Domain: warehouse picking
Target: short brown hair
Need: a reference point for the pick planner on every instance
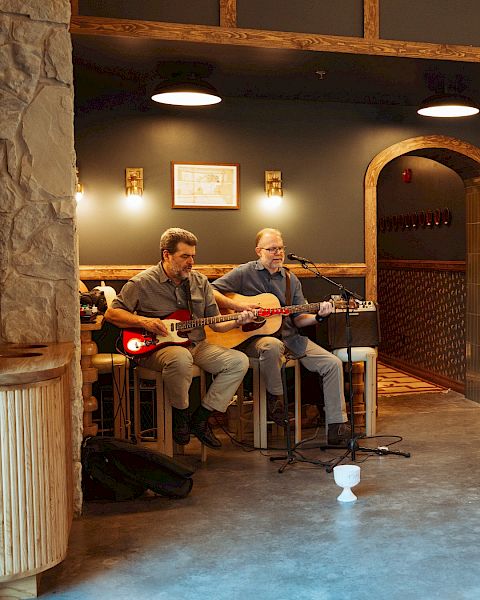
(173, 236)
(264, 231)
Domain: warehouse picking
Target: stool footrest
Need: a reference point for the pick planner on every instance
(164, 442)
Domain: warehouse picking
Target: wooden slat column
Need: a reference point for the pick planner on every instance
(35, 506)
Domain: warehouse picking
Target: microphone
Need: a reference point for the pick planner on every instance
(293, 256)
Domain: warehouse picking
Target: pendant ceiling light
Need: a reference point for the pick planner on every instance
(186, 90)
(448, 105)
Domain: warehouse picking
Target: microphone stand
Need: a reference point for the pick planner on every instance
(352, 447)
(292, 455)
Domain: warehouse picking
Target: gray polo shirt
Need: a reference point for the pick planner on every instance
(251, 279)
(152, 294)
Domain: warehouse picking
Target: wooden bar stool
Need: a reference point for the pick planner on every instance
(368, 355)
(260, 422)
(118, 366)
(164, 442)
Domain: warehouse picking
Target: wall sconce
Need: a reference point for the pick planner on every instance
(273, 183)
(78, 187)
(134, 181)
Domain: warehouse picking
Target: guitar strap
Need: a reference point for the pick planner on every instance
(288, 291)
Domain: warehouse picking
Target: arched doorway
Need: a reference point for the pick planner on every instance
(464, 159)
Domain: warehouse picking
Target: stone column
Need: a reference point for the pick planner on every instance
(38, 239)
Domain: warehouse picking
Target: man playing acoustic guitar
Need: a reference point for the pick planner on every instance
(172, 288)
(268, 275)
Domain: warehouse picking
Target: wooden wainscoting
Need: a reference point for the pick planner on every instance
(422, 319)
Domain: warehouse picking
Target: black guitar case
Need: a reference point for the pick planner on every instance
(114, 469)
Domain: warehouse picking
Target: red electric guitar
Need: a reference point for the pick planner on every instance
(140, 341)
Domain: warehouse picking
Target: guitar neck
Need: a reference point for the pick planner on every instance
(193, 323)
(260, 312)
(303, 308)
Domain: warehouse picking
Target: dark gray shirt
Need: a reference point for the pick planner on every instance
(251, 279)
(152, 293)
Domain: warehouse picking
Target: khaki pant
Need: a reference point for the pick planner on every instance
(175, 363)
(271, 354)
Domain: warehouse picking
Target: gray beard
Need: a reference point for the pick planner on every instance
(182, 276)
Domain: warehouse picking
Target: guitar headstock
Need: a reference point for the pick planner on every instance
(341, 304)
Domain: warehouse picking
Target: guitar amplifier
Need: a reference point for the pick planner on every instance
(364, 327)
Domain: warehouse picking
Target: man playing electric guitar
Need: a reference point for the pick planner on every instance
(268, 275)
(172, 287)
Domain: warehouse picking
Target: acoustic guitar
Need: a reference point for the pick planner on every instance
(272, 314)
(269, 320)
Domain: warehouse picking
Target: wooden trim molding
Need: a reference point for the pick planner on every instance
(74, 8)
(371, 19)
(459, 266)
(123, 272)
(418, 143)
(371, 179)
(473, 182)
(258, 38)
(228, 13)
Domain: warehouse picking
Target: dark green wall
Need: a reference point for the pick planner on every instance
(344, 17)
(438, 21)
(200, 12)
(323, 151)
(433, 186)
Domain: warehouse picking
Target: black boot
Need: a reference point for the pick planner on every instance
(181, 426)
(276, 409)
(200, 427)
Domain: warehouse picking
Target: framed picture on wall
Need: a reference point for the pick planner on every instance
(205, 185)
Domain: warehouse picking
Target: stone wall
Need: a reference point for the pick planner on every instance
(38, 239)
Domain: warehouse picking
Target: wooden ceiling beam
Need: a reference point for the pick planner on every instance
(103, 26)
(371, 19)
(228, 13)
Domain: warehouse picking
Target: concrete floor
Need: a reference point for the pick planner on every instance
(247, 531)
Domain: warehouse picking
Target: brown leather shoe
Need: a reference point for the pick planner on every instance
(339, 434)
(204, 433)
(201, 429)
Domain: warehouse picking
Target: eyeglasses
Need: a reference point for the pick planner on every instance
(274, 249)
